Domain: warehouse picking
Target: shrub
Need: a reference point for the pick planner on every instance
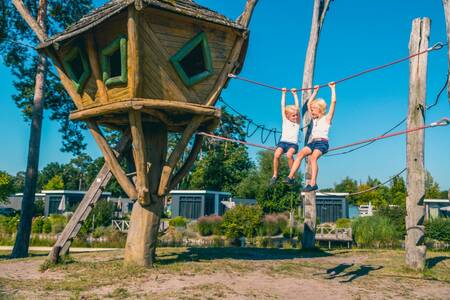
(58, 222)
(242, 220)
(38, 224)
(343, 223)
(274, 224)
(47, 226)
(178, 222)
(210, 225)
(396, 214)
(438, 229)
(374, 231)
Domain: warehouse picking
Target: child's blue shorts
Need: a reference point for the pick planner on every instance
(286, 146)
(321, 145)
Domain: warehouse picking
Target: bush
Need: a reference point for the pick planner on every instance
(47, 226)
(374, 231)
(343, 223)
(178, 222)
(396, 214)
(242, 220)
(438, 229)
(210, 225)
(58, 222)
(38, 224)
(274, 224)
(9, 225)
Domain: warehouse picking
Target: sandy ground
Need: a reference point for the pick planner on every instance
(350, 277)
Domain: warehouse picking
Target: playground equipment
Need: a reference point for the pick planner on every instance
(145, 68)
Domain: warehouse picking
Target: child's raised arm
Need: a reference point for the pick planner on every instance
(311, 98)
(283, 102)
(330, 114)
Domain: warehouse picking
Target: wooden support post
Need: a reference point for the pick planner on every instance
(176, 154)
(134, 60)
(112, 161)
(446, 4)
(144, 224)
(139, 157)
(95, 66)
(309, 200)
(415, 212)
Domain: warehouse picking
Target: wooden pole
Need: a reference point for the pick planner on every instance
(144, 224)
(309, 200)
(95, 66)
(27, 207)
(446, 4)
(415, 212)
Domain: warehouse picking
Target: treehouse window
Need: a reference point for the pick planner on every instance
(114, 62)
(77, 68)
(193, 62)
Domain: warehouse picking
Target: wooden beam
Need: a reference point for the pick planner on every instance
(309, 200)
(95, 66)
(112, 161)
(134, 53)
(25, 13)
(415, 180)
(446, 4)
(139, 157)
(144, 103)
(176, 154)
(245, 17)
(189, 162)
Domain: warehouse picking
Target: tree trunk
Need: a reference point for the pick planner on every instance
(144, 225)
(415, 212)
(446, 4)
(27, 210)
(309, 200)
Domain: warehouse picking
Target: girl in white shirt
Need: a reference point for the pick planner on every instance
(289, 134)
(318, 143)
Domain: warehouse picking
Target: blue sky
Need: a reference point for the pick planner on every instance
(356, 35)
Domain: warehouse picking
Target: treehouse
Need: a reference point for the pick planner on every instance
(166, 58)
(146, 68)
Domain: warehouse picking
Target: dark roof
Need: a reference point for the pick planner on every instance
(113, 7)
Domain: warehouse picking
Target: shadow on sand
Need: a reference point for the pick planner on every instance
(433, 261)
(197, 254)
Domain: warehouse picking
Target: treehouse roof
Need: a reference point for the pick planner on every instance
(183, 7)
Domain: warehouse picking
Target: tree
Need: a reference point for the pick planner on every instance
(6, 186)
(56, 183)
(432, 189)
(397, 191)
(347, 185)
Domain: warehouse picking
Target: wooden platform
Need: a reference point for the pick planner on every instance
(174, 114)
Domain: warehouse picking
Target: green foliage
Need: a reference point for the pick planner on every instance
(273, 224)
(101, 215)
(6, 186)
(58, 222)
(39, 207)
(38, 225)
(277, 198)
(242, 220)
(343, 223)
(209, 225)
(438, 229)
(55, 183)
(396, 215)
(374, 232)
(178, 222)
(432, 189)
(47, 226)
(22, 62)
(8, 225)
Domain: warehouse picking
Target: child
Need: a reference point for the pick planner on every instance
(318, 144)
(289, 134)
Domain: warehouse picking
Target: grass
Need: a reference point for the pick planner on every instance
(83, 273)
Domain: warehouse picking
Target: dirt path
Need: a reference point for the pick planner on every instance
(216, 274)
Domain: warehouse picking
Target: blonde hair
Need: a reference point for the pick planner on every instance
(291, 108)
(321, 104)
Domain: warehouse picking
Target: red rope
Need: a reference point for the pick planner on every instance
(436, 46)
(442, 122)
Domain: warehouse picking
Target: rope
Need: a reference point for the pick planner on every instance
(441, 122)
(436, 46)
(372, 188)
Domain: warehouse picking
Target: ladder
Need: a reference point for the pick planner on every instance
(62, 245)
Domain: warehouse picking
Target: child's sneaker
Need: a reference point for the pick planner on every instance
(272, 181)
(310, 188)
(289, 181)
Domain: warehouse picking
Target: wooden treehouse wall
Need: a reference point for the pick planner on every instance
(161, 35)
